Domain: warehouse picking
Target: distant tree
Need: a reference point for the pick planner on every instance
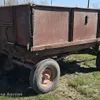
(10, 2)
(27, 1)
(16, 2)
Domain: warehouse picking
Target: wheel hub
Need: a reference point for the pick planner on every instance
(46, 78)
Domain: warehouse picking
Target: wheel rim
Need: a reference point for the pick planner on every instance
(47, 77)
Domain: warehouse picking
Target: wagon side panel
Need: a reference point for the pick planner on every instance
(6, 26)
(85, 25)
(51, 26)
(23, 25)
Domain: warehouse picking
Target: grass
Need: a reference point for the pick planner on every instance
(87, 85)
(79, 80)
(80, 57)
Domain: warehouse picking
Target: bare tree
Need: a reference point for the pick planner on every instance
(10, 2)
(16, 2)
(26, 1)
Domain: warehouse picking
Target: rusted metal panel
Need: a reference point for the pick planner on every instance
(23, 25)
(63, 45)
(53, 30)
(6, 25)
(51, 26)
(85, 24)
(15, 25)
(98, 32)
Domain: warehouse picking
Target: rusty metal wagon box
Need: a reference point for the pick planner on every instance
(40, 28)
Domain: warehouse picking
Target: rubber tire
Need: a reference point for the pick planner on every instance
(98, 60)
(35, 76)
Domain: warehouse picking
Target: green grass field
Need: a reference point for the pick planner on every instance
(79, 80)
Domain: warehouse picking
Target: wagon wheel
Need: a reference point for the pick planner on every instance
(45, 76)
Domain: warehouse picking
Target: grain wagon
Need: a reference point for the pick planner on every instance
(36, 36)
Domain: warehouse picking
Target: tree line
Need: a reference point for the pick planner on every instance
(16, 2)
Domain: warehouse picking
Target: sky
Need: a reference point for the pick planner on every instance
(69, 3)
(73, 3)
